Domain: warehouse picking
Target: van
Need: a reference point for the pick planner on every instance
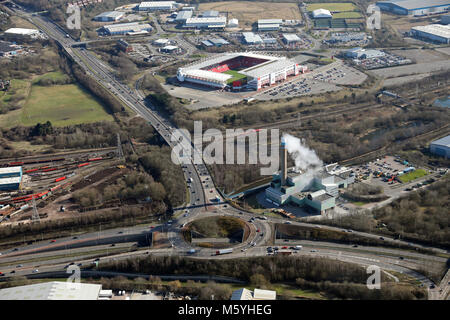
(298, 248)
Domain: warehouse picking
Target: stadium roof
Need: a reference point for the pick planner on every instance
(22, 31)
(417, 4)
(445, 142)
(217, 76)
(56, 290)
(434, 29)
(269, 67)
(291, 37)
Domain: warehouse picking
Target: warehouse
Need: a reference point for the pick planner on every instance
(445, 19)
(157, 5)
(251, 38)
(182, 16)
(55, 290)
(360, 53)
(161, 42)
(289, 38)
(127, 28)
(433, 32)
(22, 32)
(269, 24)
(239, 69)
(233, 23)
(206, 23)
(321, 14)
(109, 16)
(414, 7)
(10, 178)
(256, 294)
(441, 147)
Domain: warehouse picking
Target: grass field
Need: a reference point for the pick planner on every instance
(347, 15)
(54, 76)
(248, 12)
(332, 6)
(413, 175)
(236, 75)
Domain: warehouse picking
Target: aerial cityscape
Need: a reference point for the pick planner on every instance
(224, 150)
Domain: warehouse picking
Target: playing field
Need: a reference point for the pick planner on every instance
(248, 12)
(412, 175)
(236, 76)
(332, 6)
(62, 105)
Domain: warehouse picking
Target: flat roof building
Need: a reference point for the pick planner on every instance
(290, 38)
(414, 7)
(109, 16)
(55, 290)
(157, 5)
(257, 294)
(233, 23)
(161, 42)
(269, 24)
(210, 14)
(10, 178)
(433, 32)
(360, 53)
(441, 147)
(251, 38)
(32, 33)
(206, 23)
(445, 19)
(127, 28)
(182, 16)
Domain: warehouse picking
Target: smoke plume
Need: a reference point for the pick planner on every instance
(305, 158)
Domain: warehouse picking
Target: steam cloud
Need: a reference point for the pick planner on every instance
(305, 158)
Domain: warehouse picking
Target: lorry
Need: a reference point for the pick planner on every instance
(223, 251)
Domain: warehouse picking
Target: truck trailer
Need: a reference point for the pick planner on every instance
(223, 251)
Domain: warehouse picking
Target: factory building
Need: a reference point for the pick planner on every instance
(441, 147)
(10, 178)
(251, 38)
(182, 16)
(109, 16)
(233, 23)
(21, 32)
(321, 14)
(433, 32)
(317, 189)
(56, 290)
(127, 28)
(289, 38)
(269, 24)
(360, 53)
(157, 5)
(414, 7)
(206, 23)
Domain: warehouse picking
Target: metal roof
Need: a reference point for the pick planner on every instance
(206, 20)
(291, 37)
(434, 29)
(274, 65)
(22, 31)
(110, 14)
(444, 142)
(55, 290)
(242, 294)
(183, 15)
(210, 13)
(208, 75)
(250, 37)
(270, 21)
(417, 4)
(5, 181)
(321, 12)
(259, 294)
(10, 170)
(156, 4)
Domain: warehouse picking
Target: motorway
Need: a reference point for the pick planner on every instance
(198, 206)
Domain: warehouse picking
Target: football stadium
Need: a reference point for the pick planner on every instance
(240, 70)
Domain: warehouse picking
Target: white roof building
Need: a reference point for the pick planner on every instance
(128, 28)
(22, 31)
(210, 22)
(233, 23)
(257, 294)
(434, 32)
(109, 16)
(55, 290)
(290, 37)
(161, 42)
(251, 38)
(321, 13)
(157, 5)
(269, 24)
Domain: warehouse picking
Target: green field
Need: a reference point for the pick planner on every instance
(236, 76)
(347, 15)
(332, 6)
(54, 76)
(412, 175)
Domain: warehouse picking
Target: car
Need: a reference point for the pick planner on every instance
(120, 232)
(185, 215)
(13, 271)
(401, 258)
(15, 249)
(288, 222)
(19, 266)
(35, 270)
(75, 238)
(355, 246)
(52, 241)
(98, 259)
(240, 212)
(1, 274)
(257, 230)
(80, 264)
(253, 244)
(284, 247)
(261, 234)
(432, 286)
(243, 250)
(275, 248)
(113, 245)
(313, 250)
(151, 227)
(381, 238)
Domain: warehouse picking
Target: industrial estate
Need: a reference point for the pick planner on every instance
(92, 111)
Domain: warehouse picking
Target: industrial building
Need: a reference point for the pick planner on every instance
(317, 189)
(251, 38)
(109, 16)
(445, 19)
(182, 16)
(10, 178)
(254, 70)
(169, 49)
(441, 147)
(127, 28)
(321, 14)
(8, 49)
(233, 23)
(269, 24)
(56, 290)
(124, 46)
(206, 23)
(414, 7)
(360, 53)
(161, 42)
(289, 38)
(257, 294)
(215, 42)
(22, 32)
(157, 5)
(433, 32)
